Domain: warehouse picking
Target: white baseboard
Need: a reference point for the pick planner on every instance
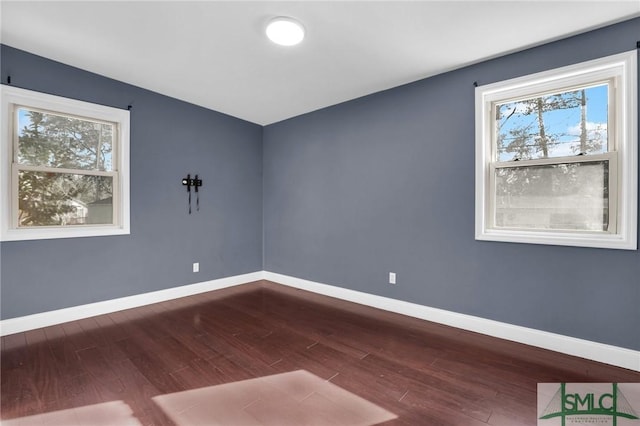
(45, 319)
(600, 352)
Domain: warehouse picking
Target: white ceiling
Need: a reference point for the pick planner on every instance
(215, 54)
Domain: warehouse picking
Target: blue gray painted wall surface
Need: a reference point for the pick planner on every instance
(169, 138)
(382, 183)
(386, 183)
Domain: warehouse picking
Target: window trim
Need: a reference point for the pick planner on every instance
(623, 125)
(13, 97)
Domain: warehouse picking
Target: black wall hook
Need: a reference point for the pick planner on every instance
(196, 183)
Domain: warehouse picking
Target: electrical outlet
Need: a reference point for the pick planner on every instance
(392, 277)
(196, 267)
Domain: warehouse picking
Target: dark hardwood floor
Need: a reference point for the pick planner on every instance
(422, 373)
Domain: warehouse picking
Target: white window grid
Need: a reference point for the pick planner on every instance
(619, 72)
(14, 98)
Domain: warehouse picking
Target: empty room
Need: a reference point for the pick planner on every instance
(328, 213)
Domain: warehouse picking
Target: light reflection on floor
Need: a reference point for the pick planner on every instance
(297, 398)
(114, 413)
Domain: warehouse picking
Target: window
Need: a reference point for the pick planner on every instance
(65, 167)
(556, 156)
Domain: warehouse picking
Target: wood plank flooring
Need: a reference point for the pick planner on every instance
(422, 373)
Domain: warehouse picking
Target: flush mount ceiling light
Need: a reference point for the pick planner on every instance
(285, 31)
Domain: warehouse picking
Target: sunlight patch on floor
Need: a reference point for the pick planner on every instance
(288, 399)
(114, 413)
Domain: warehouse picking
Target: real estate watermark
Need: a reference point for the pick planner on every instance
(588, 404)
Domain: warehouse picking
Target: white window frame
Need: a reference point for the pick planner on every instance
(12, 98)
(621, 70)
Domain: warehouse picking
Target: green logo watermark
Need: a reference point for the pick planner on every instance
(588, 404)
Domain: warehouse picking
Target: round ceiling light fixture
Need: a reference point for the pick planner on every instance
(285, 31)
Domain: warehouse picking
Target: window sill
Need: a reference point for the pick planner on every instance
(55, 233)
(560, 238)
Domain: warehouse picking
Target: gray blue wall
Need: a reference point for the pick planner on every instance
(169, 139)
(386, 183)
(382, 183)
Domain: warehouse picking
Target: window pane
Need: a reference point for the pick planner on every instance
(58, 199)
(570, 196)
(557, 125)
(53, 140)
